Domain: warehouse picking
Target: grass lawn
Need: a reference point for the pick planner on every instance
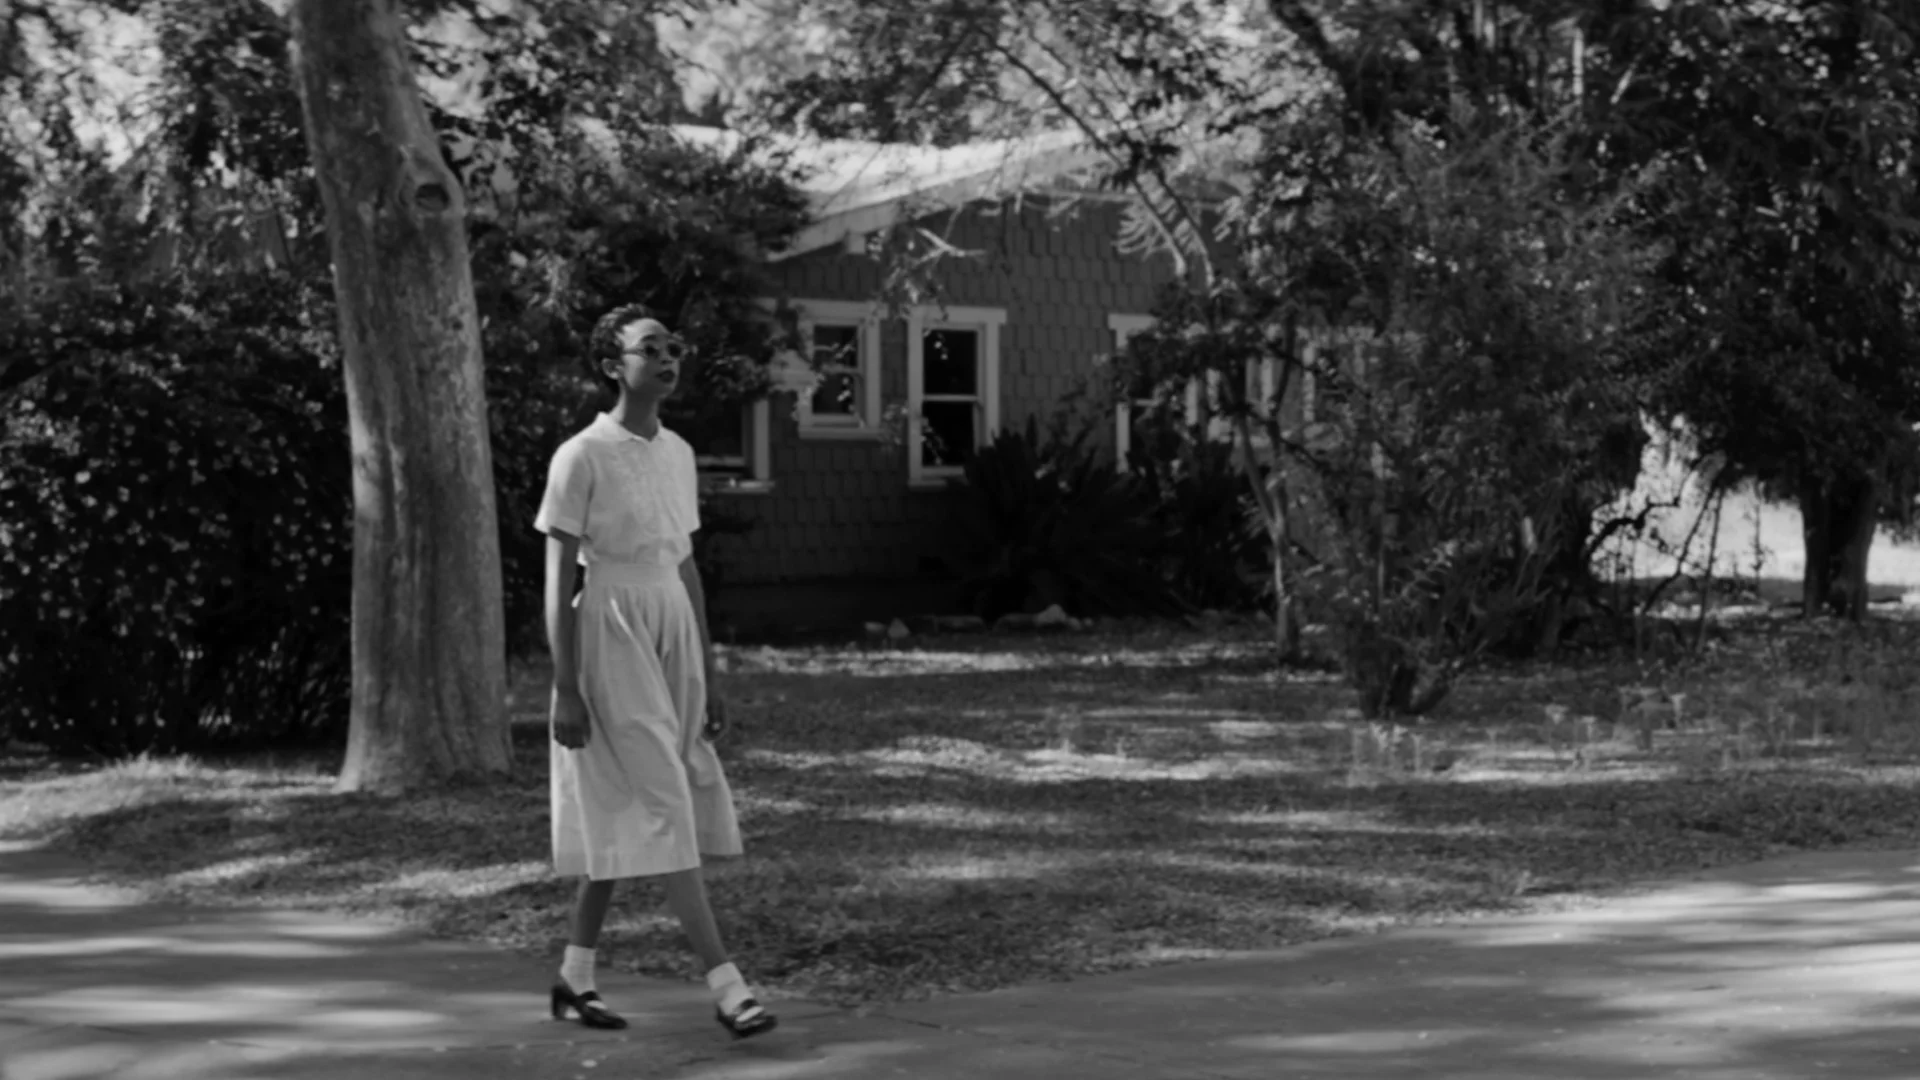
(966, 813)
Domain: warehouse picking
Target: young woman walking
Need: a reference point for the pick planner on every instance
(637, 788)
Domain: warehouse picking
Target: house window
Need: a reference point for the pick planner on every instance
(1140, 400)
(843, 342)
(1260, 389)
(1354, 352)
(1133, 404)
(732, 449)
(953, 389)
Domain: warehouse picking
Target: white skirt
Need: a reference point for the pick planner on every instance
(646, 795)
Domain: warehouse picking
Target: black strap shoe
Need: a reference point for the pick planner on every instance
(592, 1011)
(747, 1021)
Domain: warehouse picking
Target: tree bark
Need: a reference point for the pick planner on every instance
(1286, 616)
(428, 636)
(1838, 516)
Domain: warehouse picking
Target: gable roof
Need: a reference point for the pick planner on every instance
(856, 187)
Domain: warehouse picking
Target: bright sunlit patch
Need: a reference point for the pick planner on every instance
(1296, 819)
(472, 882)
(749, 802)
(889, 663)
(1408, 1039)
(1056, 763)
(952, 816)
(103, 946)
(273, 948)
(1015, 867)
(1244, 730)
(1165, 954)
(881, 662)
(226, 1003)
(936, 750)
(1215, 718)
(58, 897)
(363, 1020)
(798, 761)
(233, 870)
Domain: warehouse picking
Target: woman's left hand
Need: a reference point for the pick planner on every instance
(716, 715)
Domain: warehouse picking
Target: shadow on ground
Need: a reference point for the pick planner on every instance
(1798, 968)
(1801, 968)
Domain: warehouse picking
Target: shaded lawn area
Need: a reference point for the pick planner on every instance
(974, 812)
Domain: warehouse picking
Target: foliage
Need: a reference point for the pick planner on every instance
(1464, 331)
(1146, 86)
(1048, 523)
(174, 513)
(1786, 196)
(1781, 135)
(1409, 61)
(1214, 554)
(1790, 196)
(578, 204)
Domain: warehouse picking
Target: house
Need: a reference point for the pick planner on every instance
(847, 479)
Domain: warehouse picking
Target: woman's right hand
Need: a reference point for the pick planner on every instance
(571, 728)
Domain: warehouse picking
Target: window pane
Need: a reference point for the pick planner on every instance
(952, 362)
(947, 434)
(837, 394)
(1139, 433)
(718, 433)
(836, 346)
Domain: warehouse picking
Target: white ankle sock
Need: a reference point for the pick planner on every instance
(577, 969)
(729, 988)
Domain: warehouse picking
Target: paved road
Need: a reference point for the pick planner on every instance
(1804, 967)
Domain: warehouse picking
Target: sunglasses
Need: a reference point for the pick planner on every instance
(661, 348)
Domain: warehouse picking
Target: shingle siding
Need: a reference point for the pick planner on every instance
(843, 510)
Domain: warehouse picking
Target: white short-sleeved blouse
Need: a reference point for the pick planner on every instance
(628, 499)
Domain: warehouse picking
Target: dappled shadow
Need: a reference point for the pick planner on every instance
(93, 983)
(947, 828)
(1810, 967)
(906, 854)
(1803, 967)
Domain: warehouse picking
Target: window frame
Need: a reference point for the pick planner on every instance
(865, 422)
(987, 323)
(749, 473)
(1259, 385)
(1123, 327)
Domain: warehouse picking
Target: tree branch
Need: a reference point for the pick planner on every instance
(1105, 146)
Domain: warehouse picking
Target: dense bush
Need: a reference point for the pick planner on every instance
(1473, 336)
(177, 536)
(175, 519)
(1047, 523)
(1214, 545)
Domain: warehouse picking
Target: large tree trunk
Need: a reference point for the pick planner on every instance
(1837, 520)
(428, 641)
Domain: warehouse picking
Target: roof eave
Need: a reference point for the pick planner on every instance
(834, 228)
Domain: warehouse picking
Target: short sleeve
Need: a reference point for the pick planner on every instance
(569, 485)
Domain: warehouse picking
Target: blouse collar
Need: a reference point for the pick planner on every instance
(606, 426)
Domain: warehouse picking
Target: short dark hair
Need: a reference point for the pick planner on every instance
(604, 343)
